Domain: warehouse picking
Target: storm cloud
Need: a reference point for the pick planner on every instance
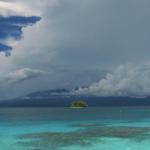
(78, 42)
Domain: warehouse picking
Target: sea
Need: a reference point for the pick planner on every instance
(95, 128)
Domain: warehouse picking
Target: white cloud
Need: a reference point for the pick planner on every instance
(25, 7)
(126, 80)
(23, 74)
(14, 8)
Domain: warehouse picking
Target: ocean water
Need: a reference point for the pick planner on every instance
(75, 129)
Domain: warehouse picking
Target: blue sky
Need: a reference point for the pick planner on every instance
(99, 44)
(11, 27)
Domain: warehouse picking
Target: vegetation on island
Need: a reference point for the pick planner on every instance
(79, 104)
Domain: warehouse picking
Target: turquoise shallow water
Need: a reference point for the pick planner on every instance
(75, 129)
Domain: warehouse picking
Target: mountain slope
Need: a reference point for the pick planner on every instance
(63, 98)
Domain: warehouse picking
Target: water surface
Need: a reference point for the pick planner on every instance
(75, 129)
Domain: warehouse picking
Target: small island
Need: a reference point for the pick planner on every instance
(79, 104)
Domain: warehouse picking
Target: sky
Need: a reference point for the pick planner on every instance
(100, 46)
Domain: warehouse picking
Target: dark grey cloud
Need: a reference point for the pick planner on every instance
(77, 40)
(97, 32)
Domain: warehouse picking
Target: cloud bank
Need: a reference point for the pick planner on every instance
(14, 81)
(23, 74)
(126, 80)
(77, 42)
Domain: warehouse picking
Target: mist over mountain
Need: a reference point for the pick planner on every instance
(63, 98)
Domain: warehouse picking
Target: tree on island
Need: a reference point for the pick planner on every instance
(79, 104)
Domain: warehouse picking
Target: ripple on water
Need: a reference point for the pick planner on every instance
(88, 136)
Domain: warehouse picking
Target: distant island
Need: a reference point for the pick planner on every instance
(79, 104)
(63, 98)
